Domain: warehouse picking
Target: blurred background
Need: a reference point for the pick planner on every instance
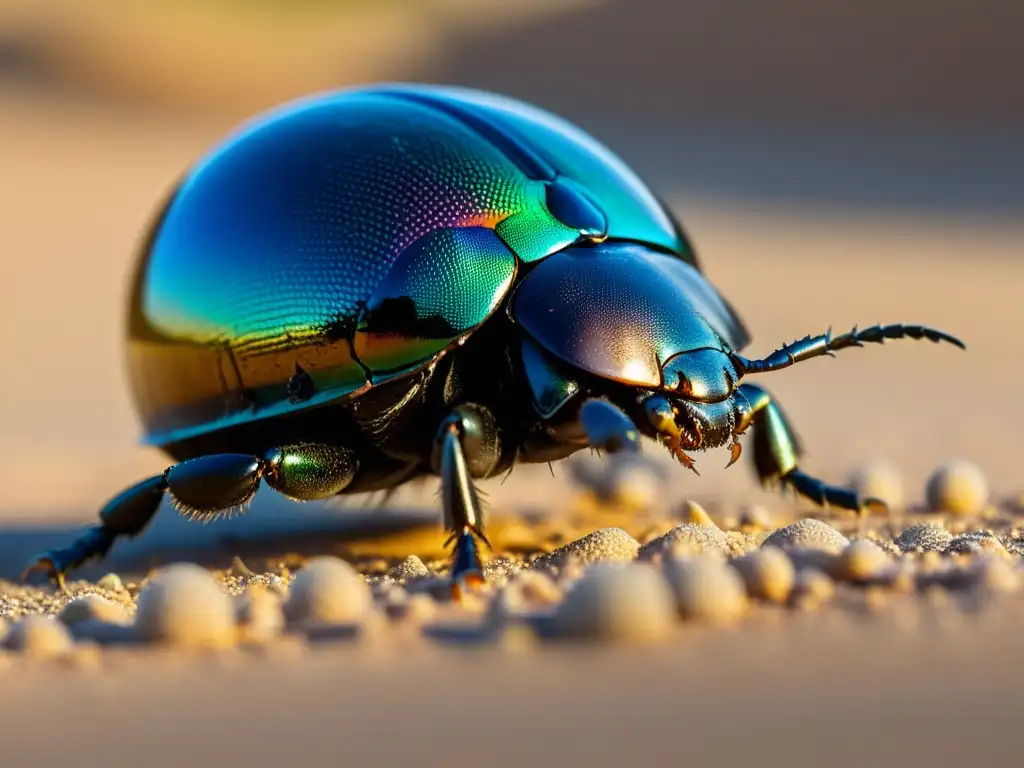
(835, 163)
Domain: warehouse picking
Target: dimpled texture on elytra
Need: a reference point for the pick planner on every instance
(266, 258)
(277, 241)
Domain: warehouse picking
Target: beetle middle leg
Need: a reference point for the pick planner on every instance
(205, 487)
(777, 451)
(467, 446)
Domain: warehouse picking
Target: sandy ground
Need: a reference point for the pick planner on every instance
(79, 183)
(876, 674)
(779, 696)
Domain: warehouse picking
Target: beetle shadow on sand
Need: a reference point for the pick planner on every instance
(271, 527)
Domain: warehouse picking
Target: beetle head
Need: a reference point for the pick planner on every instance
(699, 406)
(684, 424)
(634, 316)
(705, 375)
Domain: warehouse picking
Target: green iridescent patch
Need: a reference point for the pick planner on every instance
(442, 286)
(533, 233)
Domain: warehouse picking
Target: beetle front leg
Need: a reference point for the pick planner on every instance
(206, 487)
(608, 428)
(777, 451)
(467, 446)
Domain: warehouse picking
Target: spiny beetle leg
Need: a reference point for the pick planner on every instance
(824, 494)
(124, 515)
(467, 446)
(204, 487)
(310, 471)
(777, 451)
(210, 484)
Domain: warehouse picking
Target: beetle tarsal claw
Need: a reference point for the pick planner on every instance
(454, 536)
(467, 584)
(676, 449)
(735, 449)
(42, 565)
(47, 566)
(872, 506)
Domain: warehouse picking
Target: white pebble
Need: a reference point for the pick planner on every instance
(862, 560)
(507, 607)
(258, 614)
(601, 546)
(886, 545)
(755, 518)
(706, 589)
(808, 534)
(958, 487)
(111, 583)
(41, 636)
(977, 543)
(183, 605)
(879, 479)
(419, 609)
(812, 588)
(636, 484)
(928, 537)
(328, 591)
(410, 568)
(768, 574)
(536, 588)
(617, 602)
(996, 574)
(687, 538)
(93, 608)
(696, 514)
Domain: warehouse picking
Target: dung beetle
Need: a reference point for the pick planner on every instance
(370, 285)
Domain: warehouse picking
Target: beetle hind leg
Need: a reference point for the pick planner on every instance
(205, 488)
(127, 514)
(467, 447)
(777, 451)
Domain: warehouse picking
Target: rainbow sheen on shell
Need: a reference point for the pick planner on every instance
(352, 237)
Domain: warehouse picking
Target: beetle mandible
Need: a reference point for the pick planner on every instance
(366, 286)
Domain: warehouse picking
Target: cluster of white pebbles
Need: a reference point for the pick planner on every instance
(605, 586)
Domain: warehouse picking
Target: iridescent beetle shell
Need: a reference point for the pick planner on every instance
(350, 238)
